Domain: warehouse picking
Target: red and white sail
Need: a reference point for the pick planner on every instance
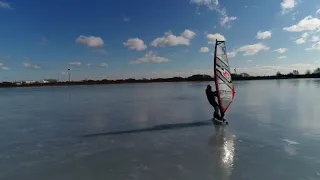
(223, 79)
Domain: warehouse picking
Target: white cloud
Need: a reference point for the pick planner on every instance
(232, 54)
(288, 5)
(225, 20)
(253, 49)
(2, 67)
(126, 19)
(168, 33)
(211, 4)
(264, 35)
(5, 68)
(318, 13)
(63, 73)
(204, 49)
(150, 57)
(315, 38)
(303, 38)
(294, 15)
(213, 37)
(90, 41)
(103, 65)
(26, 65)
(316, 46)
(305, 35)
(188, 34)
(75, 63)
(282, 57)
(306, 24)
(36, 67)
(100, 51)
(214, 5)
(171, 40)
(44, 41)
(300, 41)
(5, 5)
(249, 61)
(31, 66)
(7, 57)
(88, 65)
(281, 50)
(250, 50)
(135, 43)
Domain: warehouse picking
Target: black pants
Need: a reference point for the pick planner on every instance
(217, 111)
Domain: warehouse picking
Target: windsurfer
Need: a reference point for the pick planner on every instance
(211, 98)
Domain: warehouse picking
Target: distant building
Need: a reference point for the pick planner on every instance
(51, 80)
(244, 75)
(30, 82)
(44, 81)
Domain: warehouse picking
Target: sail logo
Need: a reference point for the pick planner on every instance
(226, 74)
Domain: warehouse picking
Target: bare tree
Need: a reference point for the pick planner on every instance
(317, 71)
(279, 73)
(308, 72)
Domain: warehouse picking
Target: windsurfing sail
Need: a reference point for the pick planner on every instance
(222, 74)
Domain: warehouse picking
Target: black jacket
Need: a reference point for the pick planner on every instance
(211, 97)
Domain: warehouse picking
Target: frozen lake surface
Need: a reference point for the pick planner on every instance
(160, 131)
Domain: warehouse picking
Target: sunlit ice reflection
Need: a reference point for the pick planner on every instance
(222, 142)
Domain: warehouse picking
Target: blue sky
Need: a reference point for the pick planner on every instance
(121, 39)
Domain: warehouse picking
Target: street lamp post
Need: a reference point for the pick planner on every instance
(69, 74)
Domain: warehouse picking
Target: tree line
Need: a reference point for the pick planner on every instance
(197, 77)
(296, 72)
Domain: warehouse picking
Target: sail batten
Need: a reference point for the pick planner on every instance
(223, 79)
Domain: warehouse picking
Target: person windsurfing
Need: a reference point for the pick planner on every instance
(211, 98)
